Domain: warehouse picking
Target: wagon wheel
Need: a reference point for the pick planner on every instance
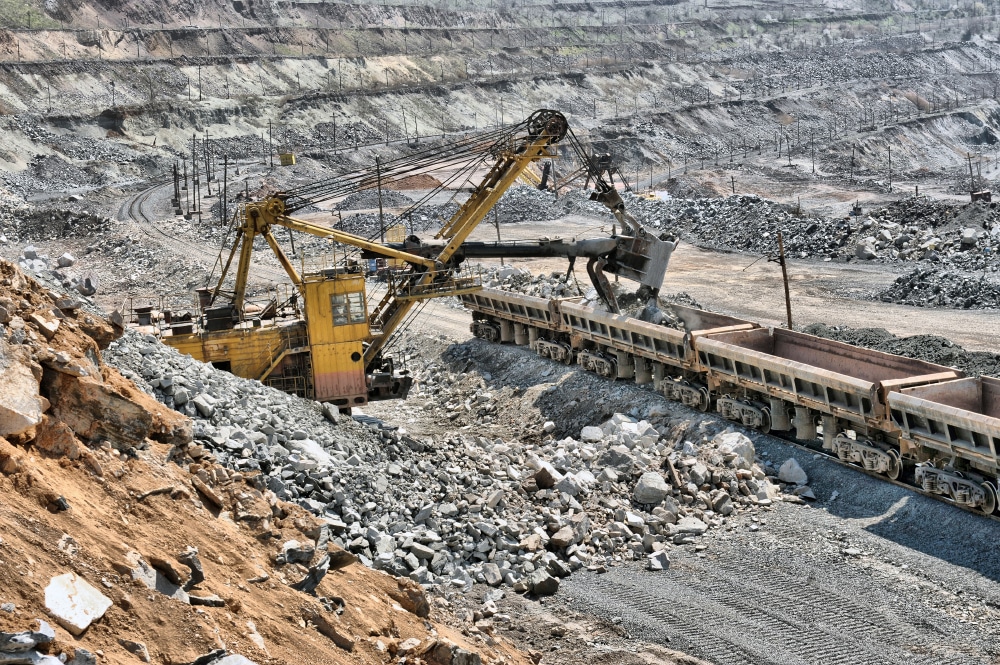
(569, 356)
(895, 465)
(990, 500)
(706, 400)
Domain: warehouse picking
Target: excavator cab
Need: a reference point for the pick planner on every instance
(339, 329)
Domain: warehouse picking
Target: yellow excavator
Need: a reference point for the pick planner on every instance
(319, 340)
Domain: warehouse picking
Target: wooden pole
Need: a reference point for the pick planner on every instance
(381, 218)
(784, 278)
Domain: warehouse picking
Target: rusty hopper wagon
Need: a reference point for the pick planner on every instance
(953, 420)
(763, 377)
(903, 418)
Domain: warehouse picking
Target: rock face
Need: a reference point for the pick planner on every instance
(20, 402)
(108, 408)
(74, 602)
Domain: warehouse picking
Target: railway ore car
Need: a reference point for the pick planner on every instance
(907, 419)
(612, 345)
(952, 429)
(502, 316)
(761, 377)
(622, 347)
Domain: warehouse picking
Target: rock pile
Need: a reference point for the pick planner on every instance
(458, 509)
(248, 427)
(931, 287)
(553, 285)
(55, 171)
(19, 222)
(626, 489)
(522, 203)
(924, 347)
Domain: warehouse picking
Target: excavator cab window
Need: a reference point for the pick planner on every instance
(347, 308)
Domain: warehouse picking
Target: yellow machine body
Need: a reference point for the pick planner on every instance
(286, 159)
(248, 351)
(337, 322)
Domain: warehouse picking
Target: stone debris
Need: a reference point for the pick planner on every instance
(74, 602)
(137, 648)
(11, 643)
(658, 561)
(461, 508)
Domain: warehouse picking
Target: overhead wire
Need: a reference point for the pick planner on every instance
(432, 157)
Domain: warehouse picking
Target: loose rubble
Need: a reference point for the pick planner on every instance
(460, 509)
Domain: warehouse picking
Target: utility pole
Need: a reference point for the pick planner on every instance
(225, 188)
(381, 217)
(784, 277)
(496, 222)
(208, 164)
(890, 167)
(270, 143)
(199, 83)
(972, 181)
(187, 192)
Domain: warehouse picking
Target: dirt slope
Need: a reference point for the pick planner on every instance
(265, 621)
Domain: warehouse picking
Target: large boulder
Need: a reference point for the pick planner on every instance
(541, 583)
(74, 602)
(792, 472)
(651, 488)
(737, 444)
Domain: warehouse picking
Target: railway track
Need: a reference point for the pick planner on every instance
(135, 209)
(817, 450)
